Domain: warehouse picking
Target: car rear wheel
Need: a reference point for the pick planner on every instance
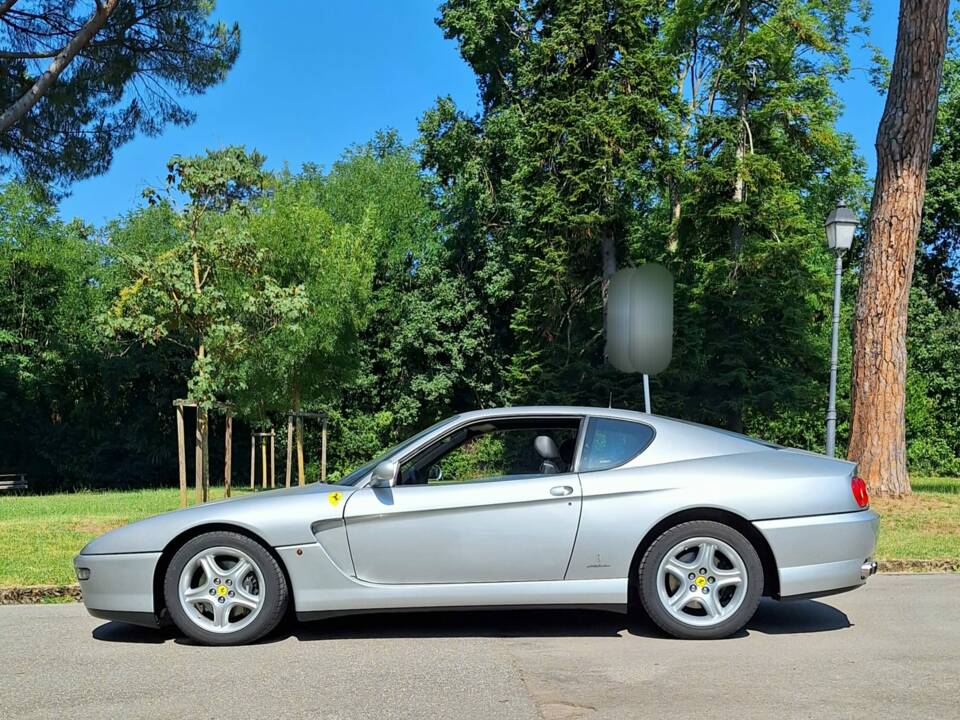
(701, 580)
(223, 588)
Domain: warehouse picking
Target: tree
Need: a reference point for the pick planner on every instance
(557, 166)
(78, 79)
(207, 292)
(904, 139)
(697, 134)
(308, 362)
(938, 246)
(754, 164)
(428, 349)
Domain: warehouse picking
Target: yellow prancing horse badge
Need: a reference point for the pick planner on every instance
(335, 498)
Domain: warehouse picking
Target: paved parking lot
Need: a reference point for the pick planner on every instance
(891, 650)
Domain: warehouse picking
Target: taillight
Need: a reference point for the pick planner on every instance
(859, 489)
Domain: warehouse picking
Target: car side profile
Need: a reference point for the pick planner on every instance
(524, 506)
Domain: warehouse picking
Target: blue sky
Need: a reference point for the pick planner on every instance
(317, 77)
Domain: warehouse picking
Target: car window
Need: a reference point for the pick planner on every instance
(610, 443)
(361, 472)
(513, 453)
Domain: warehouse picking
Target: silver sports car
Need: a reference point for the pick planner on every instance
(557, 506)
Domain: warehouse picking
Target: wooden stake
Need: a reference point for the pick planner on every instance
(289, 447)
(198, 460)
(273, 458)
(228, 455)
(263, 457)
(323, 452)
(300, 469)
(182, 456)
(253, 459)
(205, 416)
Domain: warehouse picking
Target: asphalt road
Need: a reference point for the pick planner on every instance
(891, 650)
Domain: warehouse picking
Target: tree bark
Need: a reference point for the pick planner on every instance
(904, 139)
(228, 455)
(31, 97)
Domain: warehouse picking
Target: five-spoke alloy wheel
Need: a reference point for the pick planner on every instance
(223, 588)
(701, 579)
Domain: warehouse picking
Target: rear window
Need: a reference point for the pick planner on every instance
(610, 443)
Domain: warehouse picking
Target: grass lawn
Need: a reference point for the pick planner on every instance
(925, 526)
(39, 535)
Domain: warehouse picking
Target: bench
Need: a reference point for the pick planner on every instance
(13, 482)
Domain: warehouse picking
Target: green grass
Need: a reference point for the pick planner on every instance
(39, 535)
(925, 526)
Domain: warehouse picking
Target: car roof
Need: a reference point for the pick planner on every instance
(658, 421)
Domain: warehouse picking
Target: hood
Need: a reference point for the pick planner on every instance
(278, 517)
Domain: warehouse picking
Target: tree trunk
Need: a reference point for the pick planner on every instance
(59, 63)
(301, 471)
(228, 455)
(904, 139)
(739, 183)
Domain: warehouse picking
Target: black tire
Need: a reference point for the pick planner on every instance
(274, 593)
(649, 572)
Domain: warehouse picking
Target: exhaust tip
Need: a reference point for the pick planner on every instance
(867, 569)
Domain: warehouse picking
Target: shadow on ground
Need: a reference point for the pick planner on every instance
(772, 618)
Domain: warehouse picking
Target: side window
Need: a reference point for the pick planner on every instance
(610, 443)
(506, 451)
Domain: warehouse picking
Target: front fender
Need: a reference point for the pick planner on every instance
(280, 517)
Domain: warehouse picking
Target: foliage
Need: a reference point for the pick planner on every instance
(938, 247)
(124, 81)
(405, 284)
(208, 292)
(331, 265)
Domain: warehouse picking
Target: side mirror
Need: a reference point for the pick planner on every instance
(385, 474)
(435, 473)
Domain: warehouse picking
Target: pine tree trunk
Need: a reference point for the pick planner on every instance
(904, 139)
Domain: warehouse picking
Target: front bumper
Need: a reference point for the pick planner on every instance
(119, 586)
(822, 554)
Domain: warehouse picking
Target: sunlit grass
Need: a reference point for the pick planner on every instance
(924, 526)
(40, 534)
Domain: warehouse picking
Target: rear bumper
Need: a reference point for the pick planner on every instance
(822, 554)
(119, 586)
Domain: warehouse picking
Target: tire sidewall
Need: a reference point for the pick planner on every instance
(274, 592)
(649, 571)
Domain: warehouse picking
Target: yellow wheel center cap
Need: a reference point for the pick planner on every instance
(222, 590)
(700, 581)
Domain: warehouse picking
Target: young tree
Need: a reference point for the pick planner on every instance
(904, 139)
(207, 291)
(78, 78)
(308, 362)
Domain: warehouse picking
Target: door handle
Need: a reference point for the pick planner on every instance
(561, 490)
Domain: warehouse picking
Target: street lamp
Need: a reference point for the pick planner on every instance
(841, 224)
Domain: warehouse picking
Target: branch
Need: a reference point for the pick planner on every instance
(7, 4)
(21, 107)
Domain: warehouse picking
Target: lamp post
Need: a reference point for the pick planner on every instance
(840, 226)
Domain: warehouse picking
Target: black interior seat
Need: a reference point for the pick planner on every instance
(550, 454)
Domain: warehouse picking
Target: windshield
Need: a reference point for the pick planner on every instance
(361, 472)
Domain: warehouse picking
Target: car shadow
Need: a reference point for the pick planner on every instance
(771, 618)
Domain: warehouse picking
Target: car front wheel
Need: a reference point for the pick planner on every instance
(701, 580)
(223, 588)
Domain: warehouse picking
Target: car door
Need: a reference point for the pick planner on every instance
(516, 528)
